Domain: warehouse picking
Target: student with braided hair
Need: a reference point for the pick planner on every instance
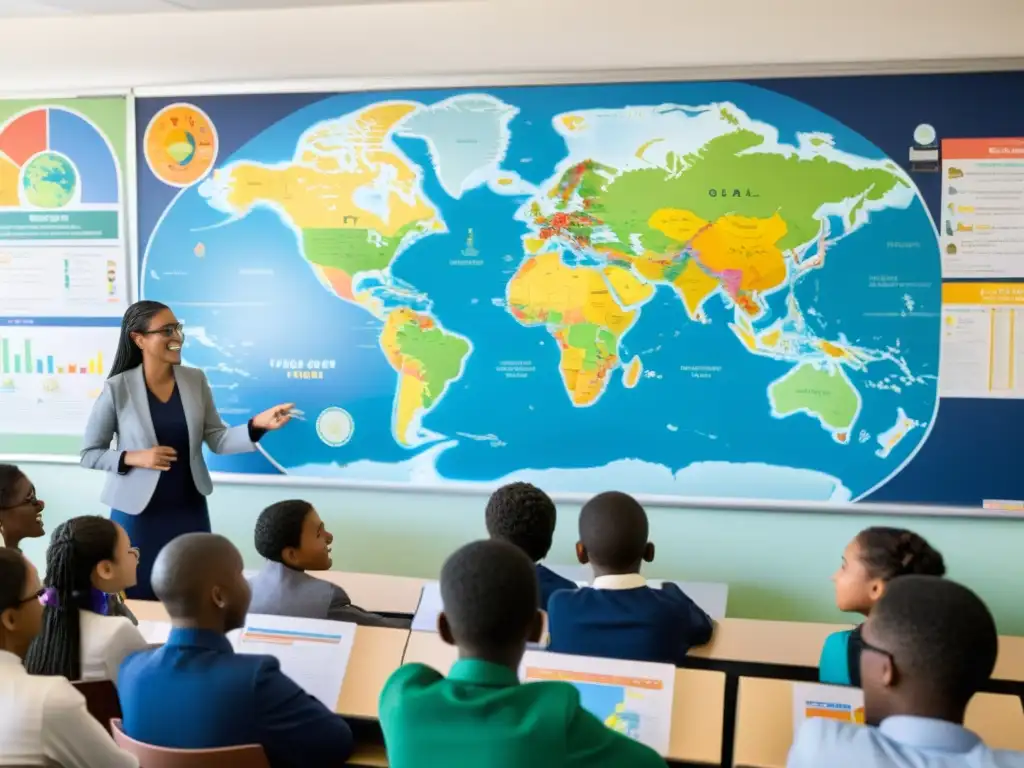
(875, 557)
(21, 512)
(89, 561)
(45, 719)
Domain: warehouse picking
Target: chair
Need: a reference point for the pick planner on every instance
(149, 756)
(100, 699)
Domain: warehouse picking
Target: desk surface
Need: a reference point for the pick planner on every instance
(764, 722)
(376, 653)
(373, 592)
(147, 610)
(699, 699)
(369, 756)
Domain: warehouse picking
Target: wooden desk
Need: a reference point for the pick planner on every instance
(697, 706)
(790, 643)
(373, 592)
(1010, 662)
(369, 756)
(376, 653)
(147, 610)
(764, 722)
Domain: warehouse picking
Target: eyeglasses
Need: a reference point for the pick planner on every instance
(47, 596)
(135, 551)
(866, 646)
(168, 331)
(28, 501)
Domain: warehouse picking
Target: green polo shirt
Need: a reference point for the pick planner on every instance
(481, 717)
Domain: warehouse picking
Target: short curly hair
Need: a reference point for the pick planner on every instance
(523, 515)
(280, 526)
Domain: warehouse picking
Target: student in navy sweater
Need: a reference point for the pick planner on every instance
(523, 515)
(621, 617)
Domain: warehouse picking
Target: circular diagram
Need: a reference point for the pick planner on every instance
(49, 180)
(334, 426)
(180, 145)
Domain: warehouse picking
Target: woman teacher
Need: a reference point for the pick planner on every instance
(162, 413)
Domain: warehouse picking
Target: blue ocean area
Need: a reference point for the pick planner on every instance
(267, 330)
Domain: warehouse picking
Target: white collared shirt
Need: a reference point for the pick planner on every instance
(620, 581)
(899, 742)
(44, 722)
(105, 642)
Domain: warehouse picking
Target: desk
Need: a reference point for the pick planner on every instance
(1010, 662)
(369, 756)
(147, 610)
(376, 653)
(697, 706)
(753, 641)
(376, 593)
(764, 722)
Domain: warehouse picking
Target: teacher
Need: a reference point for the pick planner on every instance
(161, 412)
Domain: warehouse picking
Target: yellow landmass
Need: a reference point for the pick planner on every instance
(675, 223)
(628, 289)
(631, 375)
(694, 285)
(411, 387)
(745, 245)
(645, 146)
(745, 336)
(533, 244)
(408, 402)
(573, 122)
(317, 192)
(771, 338)
(832, 350)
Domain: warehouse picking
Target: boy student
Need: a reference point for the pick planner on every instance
(195, 692)
(928, 645)
(524, 515)
(293, 539)
(621, 617)
(480, 716)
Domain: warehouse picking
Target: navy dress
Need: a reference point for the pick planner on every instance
(177, 506)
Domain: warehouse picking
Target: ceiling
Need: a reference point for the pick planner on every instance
(14, 8)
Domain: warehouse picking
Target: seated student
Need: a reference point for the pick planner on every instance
(524, 515)
(293, 539)
(195, 692)
(621, 617)
(870, 562)
(21, 513)
(44, 720)
(928, 646)
(480, 716)
(84, 637)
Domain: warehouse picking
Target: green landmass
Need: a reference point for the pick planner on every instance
(440, 354)
(596, 342)
(723, 178)
(825, 393)
(351, 250)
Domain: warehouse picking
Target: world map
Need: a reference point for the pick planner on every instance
(722, 293)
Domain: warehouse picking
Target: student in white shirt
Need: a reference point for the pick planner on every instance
(89, 561)
(45, 721)
(929, 644)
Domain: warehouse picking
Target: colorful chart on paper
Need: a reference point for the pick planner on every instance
(681, 289)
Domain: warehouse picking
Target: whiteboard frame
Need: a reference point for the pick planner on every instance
(566, 77)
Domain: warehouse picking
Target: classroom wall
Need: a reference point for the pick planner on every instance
(777, 565)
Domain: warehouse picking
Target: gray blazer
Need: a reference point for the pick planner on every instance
(122, 410)
(282, 591)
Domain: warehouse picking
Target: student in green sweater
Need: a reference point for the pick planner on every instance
(480, 716)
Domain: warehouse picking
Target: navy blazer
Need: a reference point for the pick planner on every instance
(195, 692)
(639, 624)
(550, 582)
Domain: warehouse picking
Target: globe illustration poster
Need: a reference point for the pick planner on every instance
(49, 180)
(674, 289)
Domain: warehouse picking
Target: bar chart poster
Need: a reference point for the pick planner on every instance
(64, 281)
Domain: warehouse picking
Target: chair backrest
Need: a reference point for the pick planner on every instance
(149, 756)
(100, 699)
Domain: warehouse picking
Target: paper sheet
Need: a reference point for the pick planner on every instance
(829, 701)
(425, 618)
(313, 652)
(155, 632)
(631, 697)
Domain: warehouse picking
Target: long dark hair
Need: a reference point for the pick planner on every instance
(9, 474)
(13, 574)
(76, 548)
(136, 320)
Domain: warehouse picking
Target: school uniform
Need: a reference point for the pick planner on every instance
(282, 591)
(105, 642)
(195, 692)
(550, 582)
(44, 721)
(481, 716)
(840, 658)
(623, 618)
(899, 742)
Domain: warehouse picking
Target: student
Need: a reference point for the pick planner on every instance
(524, 515)
(293, 539)
(21, 513)
(480, 715)
(870, 562)
(219, 698)
(621, 617)
(44, 720)
(89, 561)
(928, 646)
